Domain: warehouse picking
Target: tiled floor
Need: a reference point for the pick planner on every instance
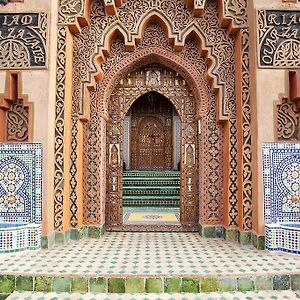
(280, 295)
(149, 254)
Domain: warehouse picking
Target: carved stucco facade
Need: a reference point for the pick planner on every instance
(92, 45)
(94, 42)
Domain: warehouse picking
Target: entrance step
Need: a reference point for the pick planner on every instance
(148, 182)
(178, 296)
(135, 173)
(151, 188)
(161, 191)
(151, 200)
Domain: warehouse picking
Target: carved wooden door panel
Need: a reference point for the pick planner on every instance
(151, 137)
(151, 144)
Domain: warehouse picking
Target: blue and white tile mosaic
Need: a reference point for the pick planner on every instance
(21, 183)
(281, 174)
(283, 237)
(19, 237)
(20, 196)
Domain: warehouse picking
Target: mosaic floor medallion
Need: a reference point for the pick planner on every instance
(151, 215)
(151, 218)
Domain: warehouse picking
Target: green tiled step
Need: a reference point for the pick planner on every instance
(151, 200)
(150, 192)
(175, 174)
(151, 182)
(178, 296)
(151, 188)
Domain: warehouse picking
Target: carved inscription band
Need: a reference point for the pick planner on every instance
(279, 38)
(23, 40)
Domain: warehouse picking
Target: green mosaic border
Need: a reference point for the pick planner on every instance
(242, 237)
(9, 284)
(58, 238)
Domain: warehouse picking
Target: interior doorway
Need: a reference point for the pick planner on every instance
(151, 133)
(152, 152)
(151, 186)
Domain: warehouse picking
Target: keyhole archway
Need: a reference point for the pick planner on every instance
(152, 104)
(177, 41)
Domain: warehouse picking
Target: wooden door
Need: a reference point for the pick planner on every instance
(151, 135)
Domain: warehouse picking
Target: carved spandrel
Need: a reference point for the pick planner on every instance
(69, 9)
(278, 38)
(23, 40)
(234, 10)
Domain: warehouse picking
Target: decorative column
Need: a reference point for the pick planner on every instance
(68, 130)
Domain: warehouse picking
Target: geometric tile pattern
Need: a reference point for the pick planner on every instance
(149, 254)
(151, 218)
(20, 183)
(283, 237)
(20, 196)
(281, 174)
(16, 237)
(280, 295)
(151, 215)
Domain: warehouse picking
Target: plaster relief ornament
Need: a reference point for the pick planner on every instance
(153, 77)
(114, 155)
(23, 38)
(115, 130)
(189, 130)
(189, 154)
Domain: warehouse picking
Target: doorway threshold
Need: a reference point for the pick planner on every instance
(152, 228)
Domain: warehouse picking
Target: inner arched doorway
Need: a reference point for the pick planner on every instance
(153, 104)
(151, 158)
(151, 129)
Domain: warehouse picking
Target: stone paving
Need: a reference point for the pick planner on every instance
(149, 263)
(150, 254)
